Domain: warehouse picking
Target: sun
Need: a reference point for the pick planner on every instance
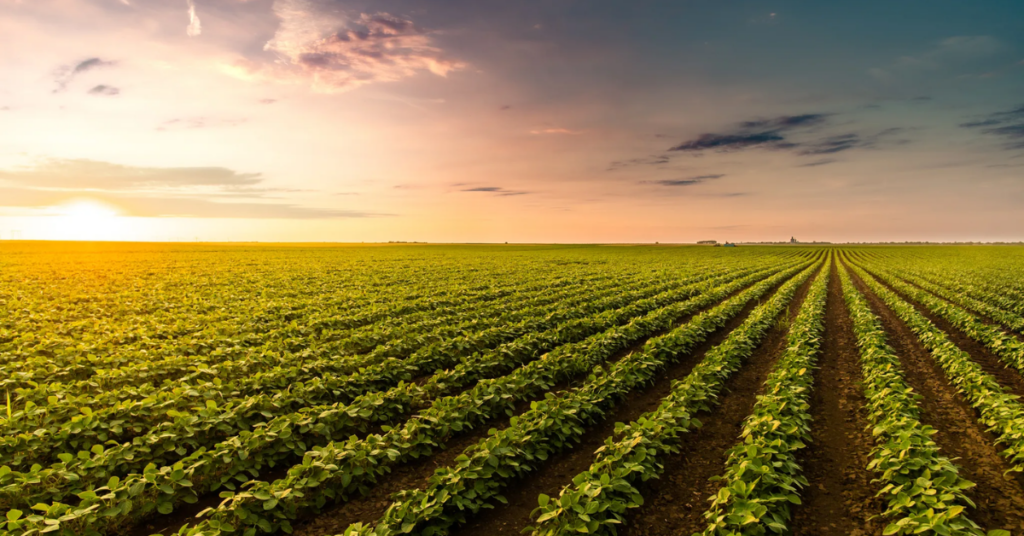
(87, 219)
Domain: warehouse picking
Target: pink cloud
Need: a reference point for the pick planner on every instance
(554, 131)
(194, 26)
(334, 54)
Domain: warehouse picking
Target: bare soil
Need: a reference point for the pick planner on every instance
(840, 497)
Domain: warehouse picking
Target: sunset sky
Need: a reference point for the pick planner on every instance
(520, 121)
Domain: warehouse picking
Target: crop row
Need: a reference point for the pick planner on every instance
(922, 488)
(1009, 348)
(762, 475)
(992, 308)
(598, 498)
(987, 291)
(999, 410)
(955, 288)
(480, 473)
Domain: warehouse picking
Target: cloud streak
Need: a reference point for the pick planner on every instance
(496, 190)
(759, 133)
(1008, 125)
(175, 206)
(796, 133)
(688, 181)
(154, 192)
(95, 175)
(65, 75)
(104, 90)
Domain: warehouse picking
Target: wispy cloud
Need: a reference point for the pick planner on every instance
(155, 191)
(66, 74)
(195, 27)
(335, 54)
(553, 131)
(1008, 125)
(797, 133)
(91, 174)
(688, 181)
(176, 206)
(653, 160)
(762, 133)
(104, 90)
(496, 190)
(817, 163)
(952, 52)
(728, 142)
(198, 122)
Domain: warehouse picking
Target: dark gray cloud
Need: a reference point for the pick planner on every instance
(688, 181)
(68, 73)
(652, 160)
(833, 144)
(759, 133)
(726, 142)
(817, 163)
(496, 190)
(798, 133)
(104, 90)
(982, 123)
(786, 122)
(1008, 125)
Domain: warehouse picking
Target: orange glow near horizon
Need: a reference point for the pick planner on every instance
(87, 219)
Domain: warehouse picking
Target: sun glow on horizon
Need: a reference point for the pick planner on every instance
(88, 219)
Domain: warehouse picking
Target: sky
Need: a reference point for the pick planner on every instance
(526, 121)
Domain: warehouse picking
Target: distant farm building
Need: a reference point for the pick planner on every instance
(793, 240)
(728, 245)
(708, 242)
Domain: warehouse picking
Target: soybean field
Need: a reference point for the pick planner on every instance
(486, 390)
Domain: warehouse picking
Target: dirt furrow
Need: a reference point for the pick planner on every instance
(999, 499)
(840, 497)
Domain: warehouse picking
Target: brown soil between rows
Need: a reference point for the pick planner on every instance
(369, 508)
(674, 503)
(840, 497)
(999, 499)
(1009, 378)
